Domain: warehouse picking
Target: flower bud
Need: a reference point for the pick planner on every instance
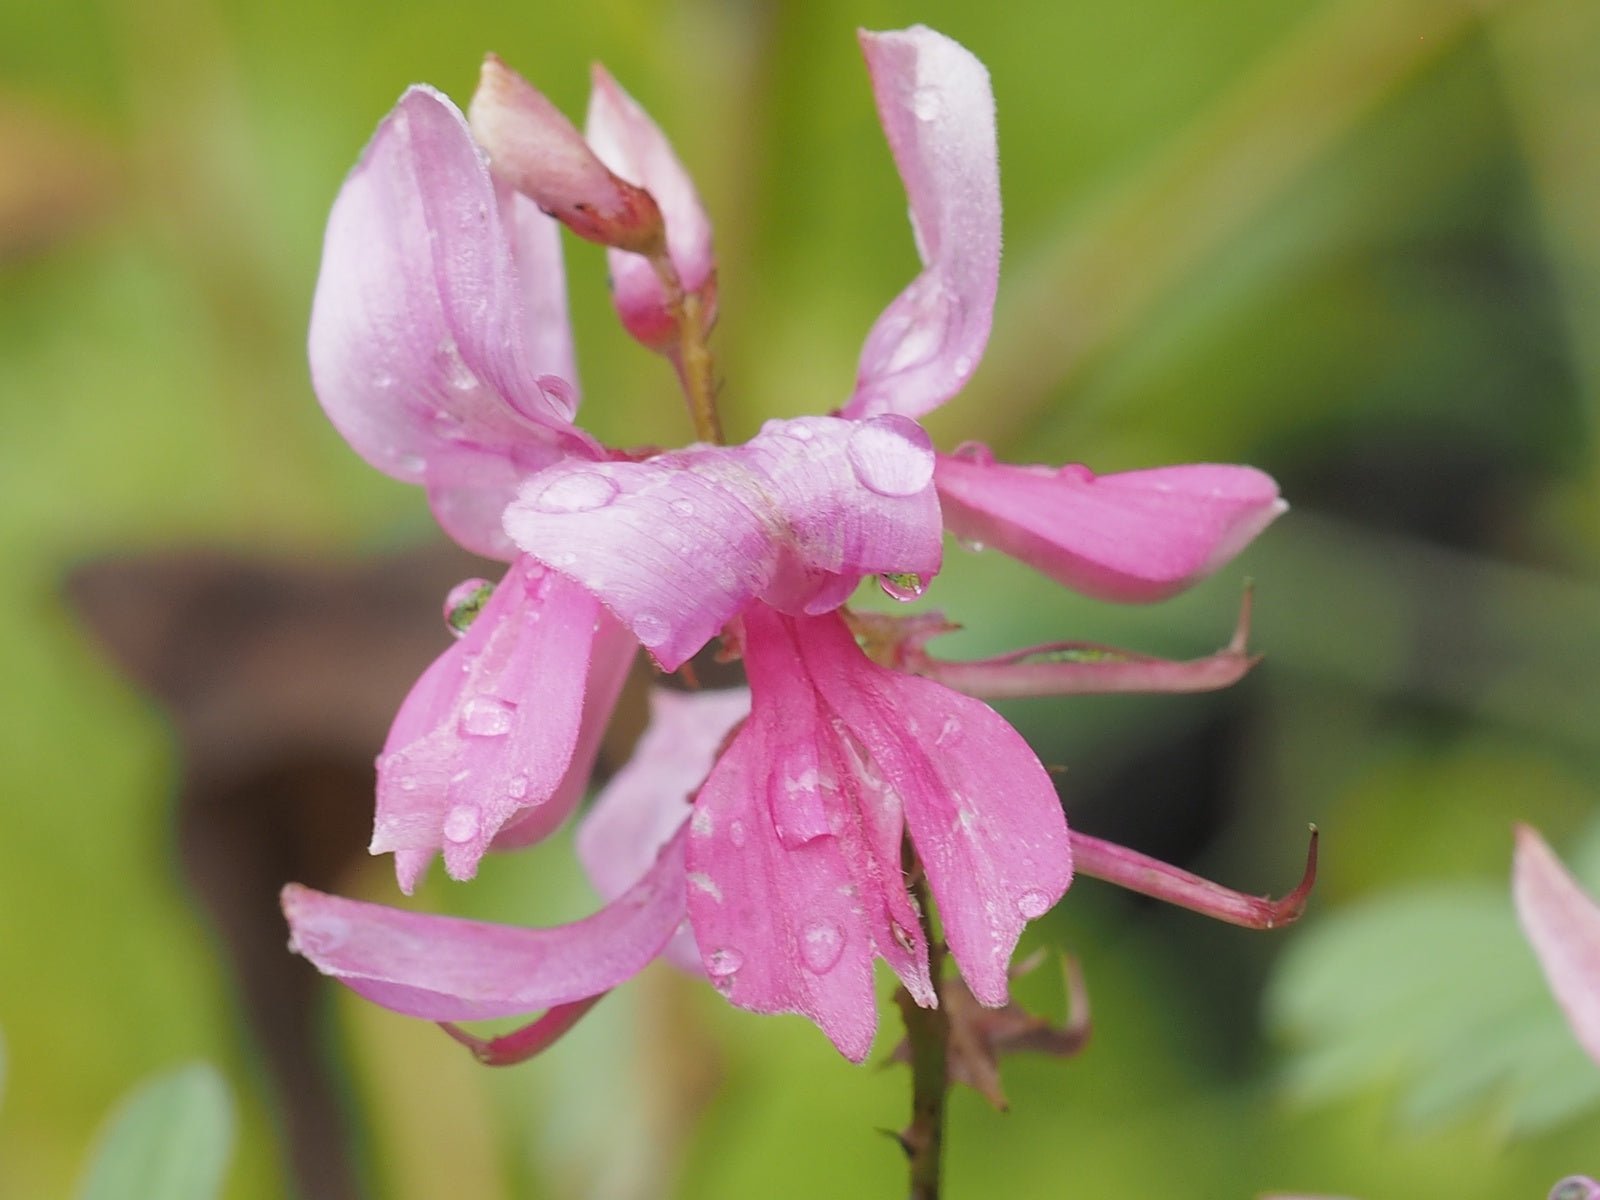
(534, 148)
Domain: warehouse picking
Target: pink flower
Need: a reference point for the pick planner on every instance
(763, 844)
(1562, 924)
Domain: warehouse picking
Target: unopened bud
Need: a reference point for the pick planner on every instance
(534, 148)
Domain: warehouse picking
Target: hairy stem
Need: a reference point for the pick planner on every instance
(692, 354)
(928, 1034)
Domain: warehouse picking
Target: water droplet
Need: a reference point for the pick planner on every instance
(736, 833)
(962, 365)
(582, 491)
(972, 544)
(974, 452)
(701, 824)
(949, 732)
(1076, 473)
(1033, 903)
(461, 824)
(408, 783)
(456, 372)
(701, 882)
(383, 381)
(821, 945)
(517, 787)
(926, 104)
(463, 604)
(721, 965)
(683, 508)
(651, 629)
(487, 716)
(798, 430)
(891, 455)
(565, 559)
(904, 586)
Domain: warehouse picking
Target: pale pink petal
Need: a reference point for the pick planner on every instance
(1563, 924)
(631, 144)
(677, 545)
(419, 342)
(981, 810)
(449, 969)
(937, 111)
(1131, 537)
(490, 729)
(648, 801)
(610, 660)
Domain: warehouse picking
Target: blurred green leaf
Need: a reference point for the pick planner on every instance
(170, 1137)
(1433, 991)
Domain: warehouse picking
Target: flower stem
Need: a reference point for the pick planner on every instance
(928, 1034)
(692, 355)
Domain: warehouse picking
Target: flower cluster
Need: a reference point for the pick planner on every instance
(774, 838)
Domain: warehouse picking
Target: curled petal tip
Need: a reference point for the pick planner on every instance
(532, 1039)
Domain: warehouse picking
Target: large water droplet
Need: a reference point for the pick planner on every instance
(487, 716)
(463, 604)
(461, 824)
(821, 945)
(926, 104)
(891, 455)
(651, 629)
(583, 491)
(1033, 903)
(721, 965)
(904, 586)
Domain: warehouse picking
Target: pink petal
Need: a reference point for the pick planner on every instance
(788, 922)
(609, 663)
(490, 728)
(647, 802)
(937, 111)
(677, 545)
(1563, 924)
(449, 969)
(631, 144)
(982, 812)
(1131, 537)
(420, 340)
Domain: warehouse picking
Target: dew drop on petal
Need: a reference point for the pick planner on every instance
(1076, 473)
(821, 945)
(651, 629)
(949, 732)
(891, 455)
(582, 491)
(461, 824)
(721, 965)
(925, 103)
(1033, 903)
(463, 604)
(486, 716)
(517, 787)
(974, 452)
(736, 833)
(408, 783)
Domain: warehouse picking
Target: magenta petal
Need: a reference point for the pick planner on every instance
(677, 545)
(419, 343)
(449, 969)
(937, 111)
(1130, 537)
(490, 728)
(648, 801)
(625, 138)
(982, 812)
(1563, 924)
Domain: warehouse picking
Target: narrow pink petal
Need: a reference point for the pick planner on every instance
(610, 660)
(937, 111)
(1563, 924)
(1132, 537)
(419, 340)
(449, 969)
(981, 810)
(490, 728)
(647, 802)
(781, 927)
(676, 545)
(631, 144)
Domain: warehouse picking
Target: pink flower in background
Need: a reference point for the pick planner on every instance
(1562, 923)
(759, 839)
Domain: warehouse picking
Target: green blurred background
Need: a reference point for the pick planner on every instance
(1353, 242)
